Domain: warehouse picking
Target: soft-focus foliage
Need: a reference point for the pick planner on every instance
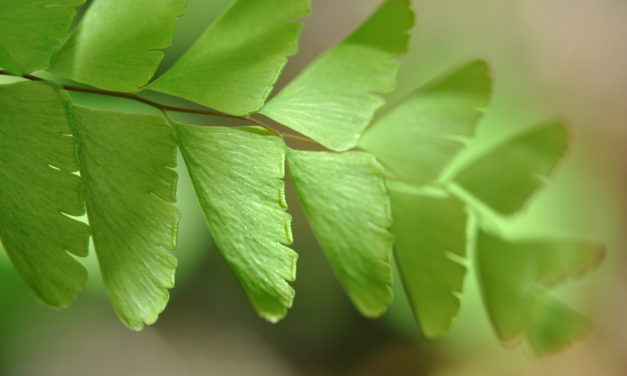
(440, 118)
(430, 232)
(513, 277)
(507, 176)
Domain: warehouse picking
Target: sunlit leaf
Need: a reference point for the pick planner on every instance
(334, 98)
(430, 233)
(346, 202)
(126, 161)
(418, 137)
(233, 66)
(31, 30)
(237, 175)
(505, 177)
(116, 45)
(513, 277)
(38, 191)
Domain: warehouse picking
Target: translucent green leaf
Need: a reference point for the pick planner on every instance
(418, 137)
(553, 326)
(116, 45)
(513, 277)
(430, 233)
(233, 66)
(505, 177)
(126, 161)
(38, 191)
(334, 98)
(31, 30)
(237, 175)
(346, 202)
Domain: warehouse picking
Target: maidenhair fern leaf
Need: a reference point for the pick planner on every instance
(116, 45)
(126, 161)
(235, 63)
(31, 30)
(334, 98)
(430, 233)
(346, 202)
(507, 176)
(237, 175)
(552, 326)
(39, 192)
(513, 277)
(418, 137)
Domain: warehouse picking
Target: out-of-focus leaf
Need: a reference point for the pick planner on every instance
(233, 66)
(346, 202)
(334, 98)
(418, 137)
(505, 177)
(237, 175)
(38, 191)
(553, 326)
(513, 277)
(125, 161)
(31, 30)
(430, 233)
(116, 45)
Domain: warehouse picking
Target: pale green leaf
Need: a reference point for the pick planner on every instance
(335, 97)
(346, 202)
(237, 174)
(125, 161)
(38, 190)
(233, 66)
(430, 233)
(418, 137)
(116, 45)
(513, 276)
(31, 30)
(505, 177)
(553, 326)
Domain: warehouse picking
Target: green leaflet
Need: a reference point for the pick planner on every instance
(233, 66)
(346, 202)
(430, 233)
(508, 175)
(418, 137)
(116, 45)
(237, 175)
(334, 98)
(513, 277)
(553, 326)
(125, 161)
(38, 189)
(31, 30)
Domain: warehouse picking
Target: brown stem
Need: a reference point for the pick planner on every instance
(165, 107)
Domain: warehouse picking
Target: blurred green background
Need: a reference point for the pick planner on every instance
(549, 58)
